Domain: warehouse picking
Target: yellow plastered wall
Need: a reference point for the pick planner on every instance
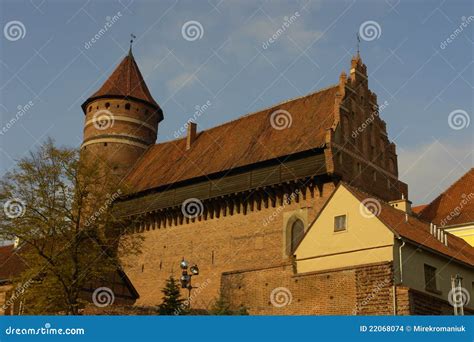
(464, 232)
(365, 240)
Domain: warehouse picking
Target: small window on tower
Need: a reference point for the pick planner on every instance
(375, 176)
(107, 105)
(90, 108)
(127, 106)
(105, 144)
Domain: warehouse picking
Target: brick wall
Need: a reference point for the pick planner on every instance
(363, 290)
(413, 302)
(239, 241)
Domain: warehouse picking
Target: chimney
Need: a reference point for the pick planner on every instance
(402, 204)
(192, 128)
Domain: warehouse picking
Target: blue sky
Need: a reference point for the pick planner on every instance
(411, 66)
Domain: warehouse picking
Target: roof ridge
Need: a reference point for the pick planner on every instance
(445, 191)
(253, 113)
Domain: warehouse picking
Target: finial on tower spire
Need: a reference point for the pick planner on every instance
(358, 45)
(132, 36)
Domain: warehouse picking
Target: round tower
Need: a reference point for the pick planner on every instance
(121, 119)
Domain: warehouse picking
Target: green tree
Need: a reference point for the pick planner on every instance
(172, 303)
(57, 203)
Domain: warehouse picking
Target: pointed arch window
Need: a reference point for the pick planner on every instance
(297, 233)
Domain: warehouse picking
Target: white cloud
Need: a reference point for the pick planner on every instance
(180, 81)
(429, 169)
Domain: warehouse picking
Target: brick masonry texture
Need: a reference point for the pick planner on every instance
(412, 302)
(217, 245)
(363, 291)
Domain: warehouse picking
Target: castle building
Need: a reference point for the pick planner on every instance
(239, 199)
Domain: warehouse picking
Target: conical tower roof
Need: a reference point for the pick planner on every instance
(125, 82)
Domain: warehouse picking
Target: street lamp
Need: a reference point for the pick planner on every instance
(185, 278)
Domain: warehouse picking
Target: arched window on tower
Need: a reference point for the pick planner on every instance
(127, 106)
(297, 232)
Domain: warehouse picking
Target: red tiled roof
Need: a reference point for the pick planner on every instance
(125, 81)
(247, 140)
(419, 208)
(10, 263)
(418, 231)
(455, 205)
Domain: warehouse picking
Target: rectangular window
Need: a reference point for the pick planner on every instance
(339, 223)
(430, 278)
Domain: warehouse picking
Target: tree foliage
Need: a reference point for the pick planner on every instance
(57, 203)
(172, 303)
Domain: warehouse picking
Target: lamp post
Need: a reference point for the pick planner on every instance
(186, 277)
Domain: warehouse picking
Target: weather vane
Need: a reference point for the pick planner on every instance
(132, 38)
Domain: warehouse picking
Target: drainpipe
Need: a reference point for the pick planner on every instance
(394, 297)
(400, 259)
